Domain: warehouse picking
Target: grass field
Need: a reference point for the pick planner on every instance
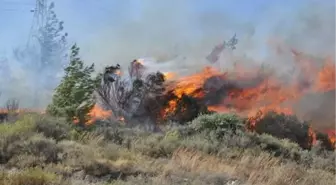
(41, 150)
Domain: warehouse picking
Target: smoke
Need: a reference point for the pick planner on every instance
(174, 32)
(179, 34)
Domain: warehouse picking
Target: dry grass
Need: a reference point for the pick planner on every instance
(32, 176)
(127, 157)
(255, 170)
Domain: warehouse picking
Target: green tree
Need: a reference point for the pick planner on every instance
(73, 98)
(45, 56)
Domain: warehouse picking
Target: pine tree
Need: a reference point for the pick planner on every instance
(73, 97)
(45, 57)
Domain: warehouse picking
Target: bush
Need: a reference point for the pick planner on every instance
(73, 98)
(218, 125)
(32, 176)
(218, 121)
(12, 136)
(285, 126)
(54, 128)
(23, 126)
(37, 147)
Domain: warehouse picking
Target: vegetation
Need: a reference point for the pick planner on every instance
(73, 97)
(44, 56)
(214, 149)
(38, 149)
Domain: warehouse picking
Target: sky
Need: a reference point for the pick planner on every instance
(104, 29)
(85, 19)
(180, 32)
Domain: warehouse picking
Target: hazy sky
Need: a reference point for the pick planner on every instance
(118, 31)
(117, 22)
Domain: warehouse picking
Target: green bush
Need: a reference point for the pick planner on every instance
(217, 121)
(73, 97)
(285, 127)
(41, 148)
(54, 128)
(31, 176)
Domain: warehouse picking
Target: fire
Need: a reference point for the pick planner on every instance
(326, 77)
(170, 108)
(169, 75)
(267, 94)
(189, 84)
(97, 113)
(332, 137)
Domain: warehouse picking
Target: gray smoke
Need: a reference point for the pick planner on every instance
(179, 36)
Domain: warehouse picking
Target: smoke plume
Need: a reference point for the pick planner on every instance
(178, 35)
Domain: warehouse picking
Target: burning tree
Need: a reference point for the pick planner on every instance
(134, 97)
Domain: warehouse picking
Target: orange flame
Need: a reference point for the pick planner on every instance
(169, 75)
(332, 137)
(98, 113)
(271, 94)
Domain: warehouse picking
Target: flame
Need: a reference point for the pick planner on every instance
(332, 137)
(169, 75)
(269, 93)
(326, 77)
(118, 72)
(189, 84)
(98, 113)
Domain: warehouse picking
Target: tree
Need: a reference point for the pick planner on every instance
(45, 57)
(74, 97)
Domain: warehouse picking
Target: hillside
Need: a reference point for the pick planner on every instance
(212, 149)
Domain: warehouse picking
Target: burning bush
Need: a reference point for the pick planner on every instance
(141, 96)
(286, 126)
(144, 96)
(266, 100)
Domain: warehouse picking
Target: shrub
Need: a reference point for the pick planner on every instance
(12, 136)
(37, 146)
(54, 128)
(73, 97)
(218, 125)
(32, 176)
(218, 121)
(22, 126)
(285, 126)
(279, 147)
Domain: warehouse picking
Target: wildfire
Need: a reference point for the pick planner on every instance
(250, 91)
(169, 75)
(326, 77)
(267, 94)
(189, 84)
(332, 137)
(96, 113)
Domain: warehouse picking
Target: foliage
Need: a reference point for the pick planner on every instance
(218, 122)
(31, 176)
(73, 97)
(285, 126)
(44, 56)
(116, 153)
